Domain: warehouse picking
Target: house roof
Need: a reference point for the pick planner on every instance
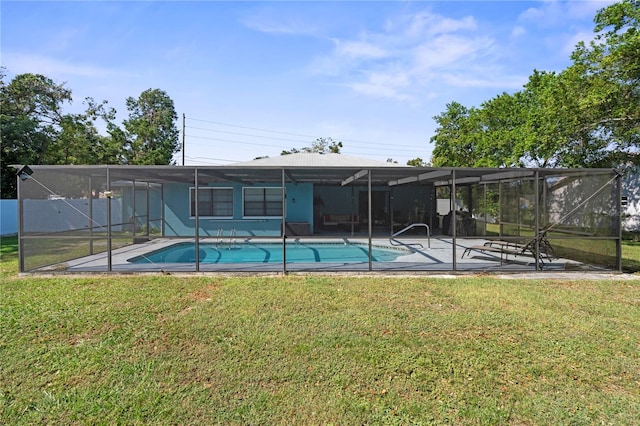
(316, 160)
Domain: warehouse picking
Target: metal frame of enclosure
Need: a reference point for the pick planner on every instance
(89, 218)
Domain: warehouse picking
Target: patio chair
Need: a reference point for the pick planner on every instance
(538, 247)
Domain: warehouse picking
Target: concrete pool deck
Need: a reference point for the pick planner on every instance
(422, 256)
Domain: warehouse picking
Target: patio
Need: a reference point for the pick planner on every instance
(418, 257)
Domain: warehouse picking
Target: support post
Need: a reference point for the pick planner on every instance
(183, 144)
(91, 221)
(486, 210)
(109, 260)
(618, 214)
(133, 202)
(391, 211)
(284, 224)
(454, 219)
(197, 213)
(500, 209)
(370, 216)
(148, 210)
(20, 226)
(537, 220)
(352, 211)
(162, 224)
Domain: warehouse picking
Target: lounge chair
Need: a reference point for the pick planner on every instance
(538, 247)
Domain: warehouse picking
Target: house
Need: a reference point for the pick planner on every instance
(323, 193)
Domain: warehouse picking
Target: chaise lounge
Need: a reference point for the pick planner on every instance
(538, 247)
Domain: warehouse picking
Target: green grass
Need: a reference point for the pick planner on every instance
(631, 256)
(317, 350)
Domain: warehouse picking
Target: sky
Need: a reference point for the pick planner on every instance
(254, 78)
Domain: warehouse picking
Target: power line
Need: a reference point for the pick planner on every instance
(231, 141)
(246, 134)
(251, 128)
(281, 147)
(209, 159)
(282, 133)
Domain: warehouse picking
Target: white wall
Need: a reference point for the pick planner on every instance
(8, 217)
(631, 189)
(67, 215)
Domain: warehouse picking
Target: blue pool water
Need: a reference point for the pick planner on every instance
(270, 253)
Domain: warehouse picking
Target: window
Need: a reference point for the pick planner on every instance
(212, 202)
(261, 202)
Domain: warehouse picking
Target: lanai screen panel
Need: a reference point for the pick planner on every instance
(518, 201)
(64, 215)
(65, 212)
(581, 214)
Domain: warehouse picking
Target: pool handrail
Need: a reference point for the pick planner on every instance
(414, 225)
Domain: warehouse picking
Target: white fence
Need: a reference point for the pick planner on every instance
(44, 216)
(8, 217)
(631, 190)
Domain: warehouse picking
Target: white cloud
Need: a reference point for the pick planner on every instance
(518, 31)
(277, 24)
(490, 80)
(426, 23)
(561, 24)
(570, 41)
(586, 9)
(405, 60)
(449, 51)
(360, 49)
(559, 13)
(20, 63)
(550, 13)
(388, 84)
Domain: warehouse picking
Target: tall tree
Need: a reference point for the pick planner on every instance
(498, 136)
(453, 140)
(547, 120)
(79, 141)
(151, 132)
(606, 75)
(586, 116)
(30, 120)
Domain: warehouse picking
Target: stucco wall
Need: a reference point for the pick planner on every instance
(179, 223)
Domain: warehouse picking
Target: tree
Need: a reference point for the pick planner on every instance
(586, 116)
(548, 120)
(30, 120)
(79, 141)
(498, 132)
(150, 132)
(607, 76)
(320, 145)
(453, 141)
(416, 162)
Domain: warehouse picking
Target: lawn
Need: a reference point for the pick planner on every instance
(317, 350)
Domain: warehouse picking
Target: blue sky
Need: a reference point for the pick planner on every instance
(254, 78)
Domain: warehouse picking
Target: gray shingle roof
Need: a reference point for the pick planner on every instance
(305, 159)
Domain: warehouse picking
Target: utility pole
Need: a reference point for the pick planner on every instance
(183, 119)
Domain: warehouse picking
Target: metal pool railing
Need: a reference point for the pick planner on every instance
(414, 225)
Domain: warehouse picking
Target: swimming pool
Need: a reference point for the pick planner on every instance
(270, 253)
